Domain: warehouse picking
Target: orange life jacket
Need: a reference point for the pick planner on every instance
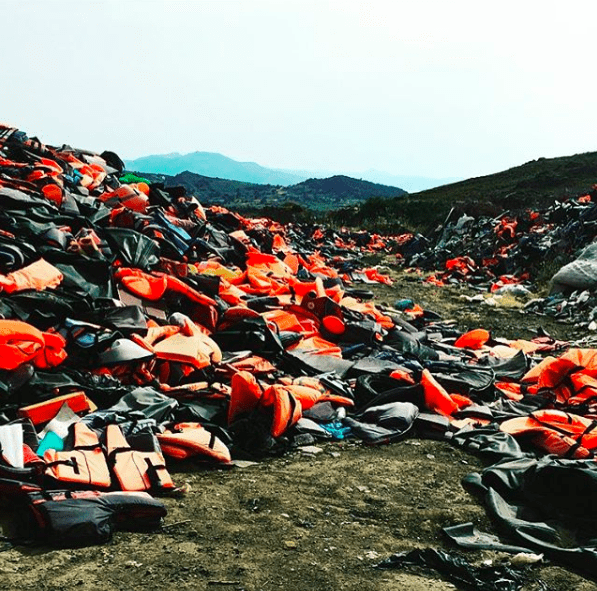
(556, 432)
(286, 400)
(287, 408)
(85, 464)
(185, 440)
(135, 470)
(309, 391)
(127, 196)
(42, 412)
(563, 375)
(39, 276)
(20, 343)
(474, 339)
(244, 396)
(436, 397)
(154, 286)
(192, 346)
(317, 345)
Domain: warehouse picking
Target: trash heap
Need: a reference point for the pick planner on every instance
(510, 249)
(139, 329)
(573, 298)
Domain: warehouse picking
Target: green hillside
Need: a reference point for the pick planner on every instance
(536, 183)
(315, 194)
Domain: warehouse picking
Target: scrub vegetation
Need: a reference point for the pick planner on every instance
(535, 184)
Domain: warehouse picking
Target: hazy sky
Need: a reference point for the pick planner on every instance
(435, 88)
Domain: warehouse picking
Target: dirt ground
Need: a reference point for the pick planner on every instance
(308, 520)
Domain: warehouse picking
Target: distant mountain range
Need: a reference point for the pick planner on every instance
(317, 194)
(535, 183)
(214, 165)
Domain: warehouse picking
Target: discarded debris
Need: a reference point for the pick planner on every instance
(525, 558)
(458, 569)
(310, 450)
(140, 329)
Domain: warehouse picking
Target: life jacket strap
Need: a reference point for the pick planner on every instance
(111, 457)
(72, 462)
(153, 474)
(91, 447)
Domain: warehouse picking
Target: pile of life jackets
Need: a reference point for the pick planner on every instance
(508, 249)
(140, 329)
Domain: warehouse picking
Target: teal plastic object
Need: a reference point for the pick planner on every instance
(50, 441)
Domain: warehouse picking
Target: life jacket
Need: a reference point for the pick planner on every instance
(20, 343)
(317, 303)
(284, 320)
(309, 323)
(85, 464)
(402, 375)
(247, 395)
(585, 388)
(236, 314)
(233, 275)
(185, 345)
(185, 440)
(267, 274)
(179, 286)
(293, 262)
(510, 390)
(532, 376)
(368, 309)
(144, 285)
(287, 409)
(285, 400)
(474, 339)
(42, 412)
(230, 293)
(309, 391)
(39, 275)
(53, 193)
(317, 345)
(561, 375)
(127, 196)
(268, 263)
(79, 518)
(289, 402)
(31, 472)
(556, 432)
(317, 266)
(253, 364)
(436, 397)
(135, 470)
(154, 286)
(279, 244)
(374, 275)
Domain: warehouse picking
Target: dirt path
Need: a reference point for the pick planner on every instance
(316, 521)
